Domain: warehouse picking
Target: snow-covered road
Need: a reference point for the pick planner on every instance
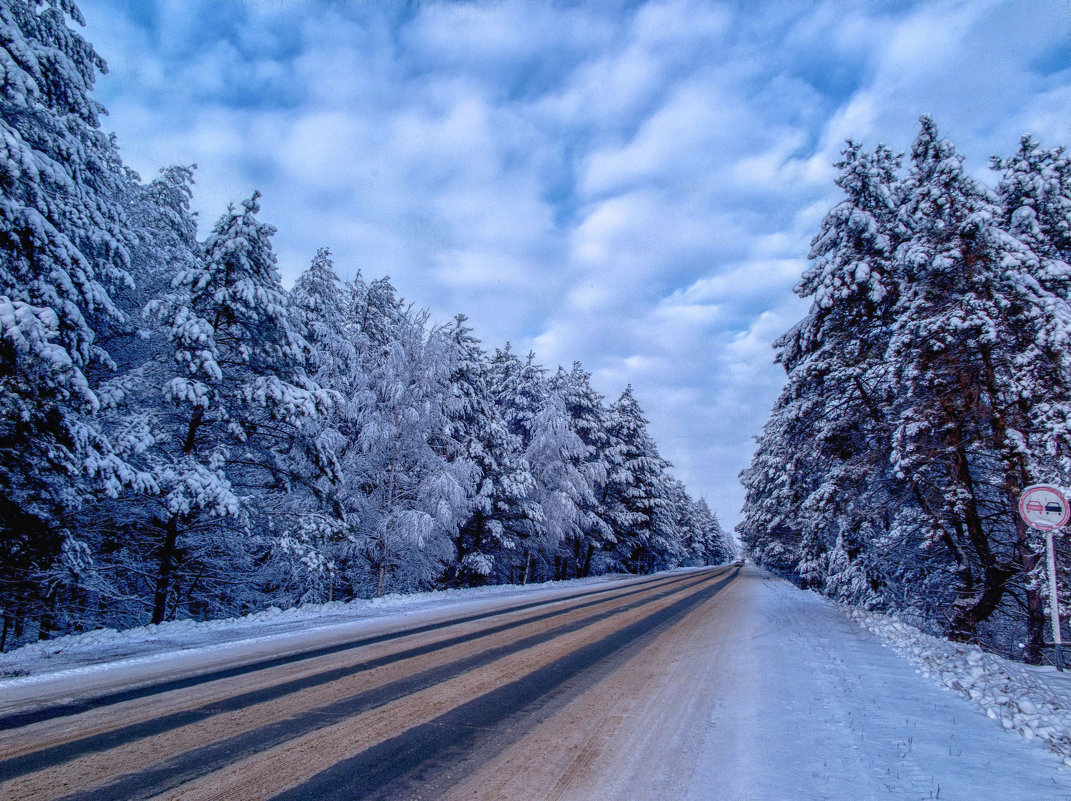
(767, 693)
(716, 684)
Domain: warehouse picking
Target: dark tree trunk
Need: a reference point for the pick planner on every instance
(1035, 607)
(1016, 479)
(584, 568)
(44, 631)
(975, 605)
(163, 575)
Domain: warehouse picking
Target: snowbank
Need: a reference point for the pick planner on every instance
(1035, 701)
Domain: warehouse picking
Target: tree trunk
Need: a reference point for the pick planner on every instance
(163, 577)
(44, 630)
(1035, 606)
(190, 442)
(381, 581)
(972, 611)
(959, 630)
(1016, 478)
(585, 570)
(975, 607)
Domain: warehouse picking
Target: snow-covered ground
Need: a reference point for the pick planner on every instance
(1033, 701)
(812, 706)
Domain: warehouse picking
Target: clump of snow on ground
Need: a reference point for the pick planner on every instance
(1035, 701)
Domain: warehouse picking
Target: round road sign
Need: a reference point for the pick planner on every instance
(1044, 507)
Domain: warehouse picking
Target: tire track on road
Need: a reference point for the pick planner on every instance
(68, 707)
(163, 767)
(420, 763)
(591, 742)
(47, 744)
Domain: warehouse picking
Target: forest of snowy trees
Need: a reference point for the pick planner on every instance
(182, 437)
(928, 385)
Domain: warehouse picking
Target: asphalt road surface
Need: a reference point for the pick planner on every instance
(722, 683)
(519, 700)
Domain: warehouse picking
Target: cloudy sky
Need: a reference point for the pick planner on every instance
(633, 185)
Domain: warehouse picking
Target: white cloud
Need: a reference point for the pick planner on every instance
(631, 185)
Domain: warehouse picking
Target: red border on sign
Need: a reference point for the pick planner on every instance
(1046, 488)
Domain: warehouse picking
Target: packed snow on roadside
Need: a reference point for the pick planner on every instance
(103, 647)
(1034, 701)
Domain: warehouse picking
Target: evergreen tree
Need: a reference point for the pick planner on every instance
(822, 465)
(414, 484)
(519, 390)
(1035, 195)
(503, 504)
(233, 410)
(318, 531)
(563, 491)
(112, 584)
(963, 321)
(709, 544)
(587, 415)
(927, 387)
(636, 488)
(64, 252)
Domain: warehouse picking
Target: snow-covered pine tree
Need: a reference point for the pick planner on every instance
(680, 539)
(165, 230)
(64, 252)
(414, 484)
(710, 545)
(41, 392)
(233, 410)
(822, 463)
(65, 242)
(1035, 195)
(587, 415)
(315, 529)
(636, 483)
(518, 389)
(770, 530)
(113, 587)
(503, 503)
(377, 310)
(974, 356)
(1032, 427)
(563, 490)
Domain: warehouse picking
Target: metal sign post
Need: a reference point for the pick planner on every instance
(1045, 508)
(1054, 604)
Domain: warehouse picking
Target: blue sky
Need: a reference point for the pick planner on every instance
(633, 185)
